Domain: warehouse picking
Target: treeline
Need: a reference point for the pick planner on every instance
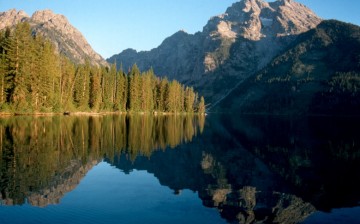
(35, 78)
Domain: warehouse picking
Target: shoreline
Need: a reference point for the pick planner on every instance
(81, 113)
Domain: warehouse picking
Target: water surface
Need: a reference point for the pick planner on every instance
(179, 169)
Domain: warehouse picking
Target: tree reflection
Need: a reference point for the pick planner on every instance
(42, 153)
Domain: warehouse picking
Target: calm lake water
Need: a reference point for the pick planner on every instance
(179, 169)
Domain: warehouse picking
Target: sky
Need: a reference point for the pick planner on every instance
(111, 26)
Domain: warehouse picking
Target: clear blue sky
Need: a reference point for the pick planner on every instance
(111, 26)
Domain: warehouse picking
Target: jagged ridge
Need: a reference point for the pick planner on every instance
(231, 47)
(67, 39)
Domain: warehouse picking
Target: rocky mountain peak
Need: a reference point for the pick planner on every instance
(46, 20)
(254, 5)
(12, 17)
(43, 16)
(255, 19)
(67, 39)
(293, 17)
(231, 47)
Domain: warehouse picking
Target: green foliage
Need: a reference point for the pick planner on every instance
(35, 78)
(95, 89)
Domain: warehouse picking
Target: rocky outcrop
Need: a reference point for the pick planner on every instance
(11, 17)
(231, 47)
(67, 39)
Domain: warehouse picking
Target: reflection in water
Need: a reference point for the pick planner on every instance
(226, 177)
(316, 158)
(42, 158)
(264, 169)
(251, 169)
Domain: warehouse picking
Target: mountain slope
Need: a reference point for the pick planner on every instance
(67, 39)
(231, 47)
(318, 74)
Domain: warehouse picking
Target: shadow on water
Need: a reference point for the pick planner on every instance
(251, 168)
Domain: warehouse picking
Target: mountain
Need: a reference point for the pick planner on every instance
(67, 39)
(319, 73)
(230, 48)
(61, 184)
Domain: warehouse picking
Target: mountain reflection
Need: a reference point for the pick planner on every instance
(42, 158)
(252, 169)
(263, 169)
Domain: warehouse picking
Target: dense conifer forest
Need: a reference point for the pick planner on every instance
(34, 78)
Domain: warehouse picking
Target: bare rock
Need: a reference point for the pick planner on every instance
(11, 18)
(67, 39)
(231, 47)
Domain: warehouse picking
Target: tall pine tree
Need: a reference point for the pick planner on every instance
(20, 52)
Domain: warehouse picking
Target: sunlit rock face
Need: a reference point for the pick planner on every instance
(61, 184)
(67, 39)
(12, 17)
(231, 46)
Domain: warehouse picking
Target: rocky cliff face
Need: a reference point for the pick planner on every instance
(317, 74)
(231, 47)
(12, 17)
(67, 39)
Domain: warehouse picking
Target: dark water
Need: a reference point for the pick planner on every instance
(179, 169)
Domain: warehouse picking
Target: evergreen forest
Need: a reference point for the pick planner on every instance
(35, 78)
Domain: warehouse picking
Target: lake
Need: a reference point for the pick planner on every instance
(223, 168)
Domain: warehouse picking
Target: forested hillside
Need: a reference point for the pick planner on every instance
(318, 74)
(35, 78)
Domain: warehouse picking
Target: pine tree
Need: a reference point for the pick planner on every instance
(134, 89)
(108, 88)
(20, 55)
(53, 74)
(112, 86)
(147, 97)
(120, 93)
(82, 86)
(95, 88)
(67, 83)
(189, 100)
(174, 98)
(3, 69)
(124, 90)
(46, 80)
(201, 107)
(161, 92)
(171, 98)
